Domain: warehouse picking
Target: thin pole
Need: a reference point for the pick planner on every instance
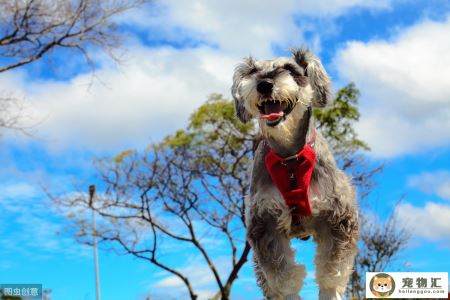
(94, 236)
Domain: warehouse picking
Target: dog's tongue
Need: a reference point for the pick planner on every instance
(272, 116)
(272, 110)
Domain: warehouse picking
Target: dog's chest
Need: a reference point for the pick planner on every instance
(268, 197)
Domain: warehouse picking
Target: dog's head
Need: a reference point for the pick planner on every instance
(271, 89)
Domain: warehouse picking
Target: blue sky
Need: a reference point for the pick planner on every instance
(177, 53)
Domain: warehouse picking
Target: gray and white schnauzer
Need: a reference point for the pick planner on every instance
(297, 190)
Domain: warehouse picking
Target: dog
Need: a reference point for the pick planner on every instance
(296, 188)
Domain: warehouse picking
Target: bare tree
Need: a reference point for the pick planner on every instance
(29, 29)
(11, 116)
(190, 185)
(33, 29)
(381, 244)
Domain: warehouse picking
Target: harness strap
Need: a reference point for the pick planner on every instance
(292, 176)
(310, 143)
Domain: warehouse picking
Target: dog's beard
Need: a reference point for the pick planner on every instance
(273, 108)
(282, 109)
(286, 125)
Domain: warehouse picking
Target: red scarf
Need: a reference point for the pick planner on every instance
(292, 176)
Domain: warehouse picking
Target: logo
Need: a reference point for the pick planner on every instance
(382, 285)
(21, 291)
(406, 285)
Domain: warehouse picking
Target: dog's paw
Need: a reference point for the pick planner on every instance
(292, 297)
(329, 294)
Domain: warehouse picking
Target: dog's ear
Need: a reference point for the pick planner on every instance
(318, 77)
(239, 72)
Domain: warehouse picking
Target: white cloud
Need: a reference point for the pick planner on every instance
(405, 91)
(241, 27)
(152, 95)
(430, 222)
(433, 183)
(158, 88)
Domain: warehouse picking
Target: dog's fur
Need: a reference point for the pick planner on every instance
(302, 82)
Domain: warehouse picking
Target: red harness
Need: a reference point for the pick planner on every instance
(292, 176)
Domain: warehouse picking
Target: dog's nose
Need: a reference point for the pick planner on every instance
(264, 86)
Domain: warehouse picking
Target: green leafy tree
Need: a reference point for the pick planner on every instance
(191, 187)
(337, 124)
(380, 241)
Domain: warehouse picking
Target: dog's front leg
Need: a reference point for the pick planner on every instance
(336, 250)
(278, 275)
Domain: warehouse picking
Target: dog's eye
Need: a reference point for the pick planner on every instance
(295, 71)
(252, 71)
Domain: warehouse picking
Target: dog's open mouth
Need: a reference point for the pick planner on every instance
(273, 111)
